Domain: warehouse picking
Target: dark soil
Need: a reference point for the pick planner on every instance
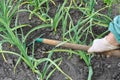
(104, 68)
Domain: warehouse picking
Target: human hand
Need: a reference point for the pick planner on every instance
(101, 45)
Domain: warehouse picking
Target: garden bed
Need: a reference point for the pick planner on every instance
(73, 65)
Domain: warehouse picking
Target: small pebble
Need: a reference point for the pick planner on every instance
(118, 64)
(109, 66)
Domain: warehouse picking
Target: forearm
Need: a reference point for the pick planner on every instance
(111, 39)
(114, 28)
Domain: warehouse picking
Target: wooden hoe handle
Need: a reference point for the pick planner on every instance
(76, 46)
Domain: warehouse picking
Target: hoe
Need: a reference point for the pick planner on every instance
(76, 46)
